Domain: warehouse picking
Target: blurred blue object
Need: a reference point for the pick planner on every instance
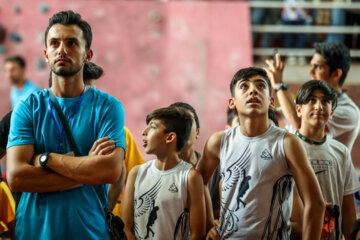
(357, 196)
(2, 49)
(15, 37)
(40, 64)
(43, 8)
(16, 9)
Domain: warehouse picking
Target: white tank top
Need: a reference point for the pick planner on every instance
(160, 202)
(256, 199)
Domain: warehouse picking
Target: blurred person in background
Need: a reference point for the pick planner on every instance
(21, 87)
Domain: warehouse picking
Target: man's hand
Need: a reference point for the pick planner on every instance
(213, 234)
(275, 70)
(102, 146)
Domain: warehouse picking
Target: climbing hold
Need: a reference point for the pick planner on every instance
(16, 9)
(15, 37)
(44, 8)
(2, 33)
(40, 64)
(2, 49)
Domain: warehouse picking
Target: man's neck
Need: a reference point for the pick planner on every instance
(313, 133)
(167, 161)
(254, 126)
(67, 87)
(188, 155)
(20, 84)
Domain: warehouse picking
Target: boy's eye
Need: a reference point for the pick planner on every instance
(312, 100)
(262, 86)
(325, 101)
(243, 85)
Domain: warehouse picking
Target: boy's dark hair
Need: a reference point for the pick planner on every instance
(92, 71)
(231, 114)
(19, 60)
(305, 91)
(246, 73)
(71, 18)
(175, 119)
(190, 108)
(336, 55)
(272, 116)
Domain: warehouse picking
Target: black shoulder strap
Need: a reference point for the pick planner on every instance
(72, 142)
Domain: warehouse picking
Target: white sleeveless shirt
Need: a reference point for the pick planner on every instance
(160, 202)
(256, 198)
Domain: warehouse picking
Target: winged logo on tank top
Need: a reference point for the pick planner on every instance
(144, 204)
(231, 176)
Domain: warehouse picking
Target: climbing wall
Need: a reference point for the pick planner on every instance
(154, 53)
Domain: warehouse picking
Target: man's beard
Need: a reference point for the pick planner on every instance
(63, 72)
(15, 80)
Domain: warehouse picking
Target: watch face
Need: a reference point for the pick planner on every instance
(43, 158)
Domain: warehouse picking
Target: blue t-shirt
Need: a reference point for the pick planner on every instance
(26, 90)
(75, 213)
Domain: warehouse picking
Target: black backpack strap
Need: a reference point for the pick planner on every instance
(65, 124)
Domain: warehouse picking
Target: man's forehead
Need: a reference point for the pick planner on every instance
(11, 64)
(58, 31)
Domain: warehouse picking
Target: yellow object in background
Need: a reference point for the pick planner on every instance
(133, 157)
(7, 207)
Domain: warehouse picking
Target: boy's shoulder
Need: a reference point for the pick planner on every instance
(134, 171)
(215, 139)
(338, 147)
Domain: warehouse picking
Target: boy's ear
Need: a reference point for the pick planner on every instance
(298, 110)
(335, 76)
(197, 133)
(232, 103)
(272, 103)
(171, 137)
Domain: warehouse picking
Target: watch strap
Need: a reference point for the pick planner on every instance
(43, 164)
(281, 85)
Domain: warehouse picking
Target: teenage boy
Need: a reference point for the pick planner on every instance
(258, 163)
(330, 159)
(166, 194)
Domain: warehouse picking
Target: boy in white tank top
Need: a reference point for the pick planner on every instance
(330, 159)
(164, 197)
(258, 164)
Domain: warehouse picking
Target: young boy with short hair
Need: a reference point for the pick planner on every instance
(330, 159)
(188, 152)
(258, 164)
(165, 196)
